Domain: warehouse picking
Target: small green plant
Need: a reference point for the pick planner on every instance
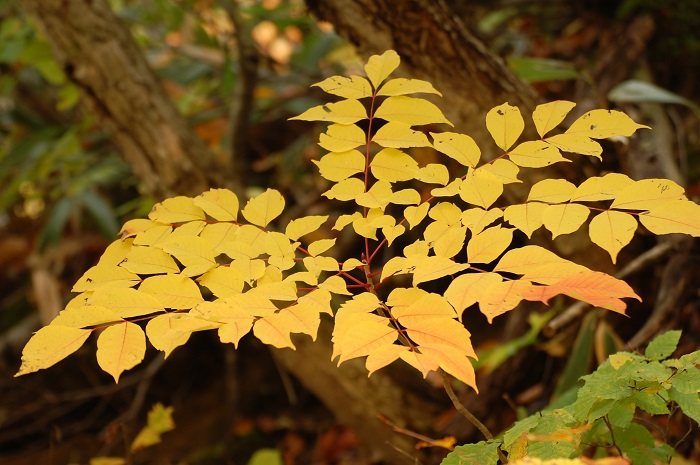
(602, 418)
(266, 279)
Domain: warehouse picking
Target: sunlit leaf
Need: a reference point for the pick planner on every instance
(576, 143)
(457, 146)
(410, 110)
(504, 170)
(486, 246)
(195, 253)
(379, 67)
(434, 267)
(527, 217)
(262, 209)
(354, 87)
(50, 345)
(105, 276)
(612, 230)
(551, 191)
(220, 204)
(414, 215)
(148, 260)
(550, 115)
(476, 219)
(598, 289)
(674, 216)
(535, 154)
(400, 135)
(647, 194)
(538, 264)
(480, 188)
(433, 173)
(172, 291)
(126, 302)
(393, 165)
(302, 226)
(176, 210)
(505, 124)
(601, 188)
(402, 86)
(120, 347)
(342, 137)
(600, 124)
(469, 288)
(359, 334)
(564, 218)
(347, 189)
(344, 112)
(171, 330)
(501, 297)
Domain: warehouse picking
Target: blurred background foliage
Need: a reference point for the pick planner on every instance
(65, 190)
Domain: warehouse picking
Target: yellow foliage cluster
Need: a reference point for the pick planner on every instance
(195, 265)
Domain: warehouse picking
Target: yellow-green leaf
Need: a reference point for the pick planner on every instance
(601, 188)
(414, 215)
(460, 147)
(551, 191)
(410, 110)
(535, 154)
(220, 204)
(564, 218)
(172, 291)
(526, 217)
(647, 194)
(344, 112)
(195, 253)
(576, 143)
(262, 209)
(176, 210)
(160, 420)
(505, 124)
(480, 188)
(354, 87)
(612, 230)
(379, 67)
(486, 246)
(393, 165)
(550, 115)
(673, 216)
(50, 345)
(467, 289)
(600, 124)
(400, 135)
(120, 347)
(402, 86)
(302, 226)
(105, 276)
(149, 260)
(347, 189)
(342, 137)
(126, 302)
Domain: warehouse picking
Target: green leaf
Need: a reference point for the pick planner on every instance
(266, 457)
(481, 453)
(542, 69)
(663, 346)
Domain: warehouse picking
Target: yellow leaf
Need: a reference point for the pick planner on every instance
(576, 143)
(410, 110)
(120, 347)
(365, 302)
(551, 191)
(220, 204)
(344, 220)
(153, 235)
(538, 264)
(550, 115)
(451, 242)
(218, 234)
(320, 246)
(379, 67)
(421, 362)
(395, 265)
(393, 165)
(476, 219)
(85, 317)
(612, 230)
(673, 216)
(428, 305)
(176, 210)
(392, 232)
(498, 298)
(250, 242)
(565, 218)
(433, 173)
(337, 166)
(405, 197)
(442, 331)
(342, 137)
(171, 330)
(383, 356)
(105, 276)
(107, 461)
(336, 285)
(115, 253)
(504, 170)
(601, 188)
(192, 228)
(469, 288)
(250, 270)
(600, 124)
(647, 194)
(126, 302)
(595, 288)
(480, 188)
(526, 217)
(355, 87)
(344, 112)
(450, 190)
(172, 291)
(457, 146)
(275, 329)
(347, 189)
(486, 246)
(414, 215)
(160, 420)
(430, 268)
(135, 226)
(316, 265)
(319, 299)
(304, 225)
(378, 196)
(273, 274)
(222, 281)
(505, 124)
(445, 212)
(278, 245)
(402, 86)
(50, 345)
(360, 334)
(351, 264)
(400, 135)
(195, 253)
(454, 362)
(148, 260)
(417, 249)
(262, 209)
(535, 154)
(279, 290)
